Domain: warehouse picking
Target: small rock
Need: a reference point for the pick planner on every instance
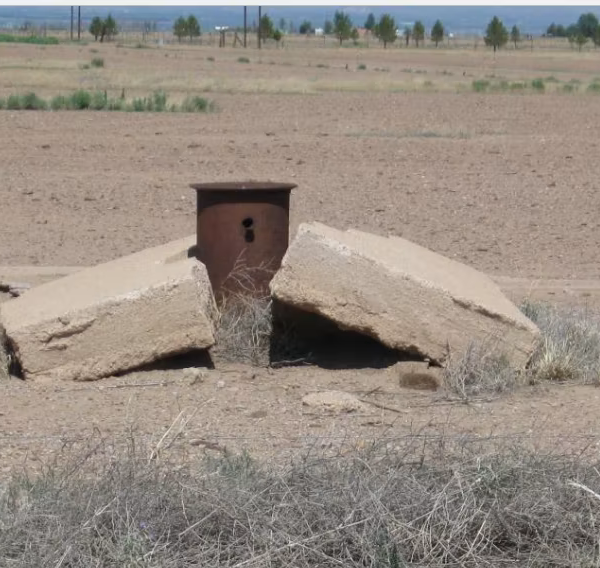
(259, 414)
(194, 375)
(336, 402)
(220, 384)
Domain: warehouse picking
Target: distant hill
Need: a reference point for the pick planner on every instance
(457, 19)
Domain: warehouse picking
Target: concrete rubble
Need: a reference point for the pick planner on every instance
(406, 296)
(113, 317)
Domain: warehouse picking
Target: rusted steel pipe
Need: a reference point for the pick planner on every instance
(242, 234)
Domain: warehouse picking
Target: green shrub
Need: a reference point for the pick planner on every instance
(31, 101)
(196, 104)
(97, 62)
(552, 79)
(99, 101)
(159, 99)
(13, 102)
(517, 86)
(501, 86)
(538, 84)
(569, 88)
(210, 58)
(362, 67)
(593, 88)
(85, 66)
(322, 66)
(60, 102)
(115, 104)
(80, 100)
(480, 85)
(137, 105)
(243, 60)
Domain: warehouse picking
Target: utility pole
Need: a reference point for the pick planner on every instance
(78, 22)
(245, 23)
(259, 18)
(71, 23)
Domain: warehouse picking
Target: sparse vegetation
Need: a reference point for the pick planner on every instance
(593, 88)
(243, 60)
(480, 370)
(538, 85)
(361, 67)
(37, 40)
(97, 62)
(425, 500)
(98, 100)
(480, 85)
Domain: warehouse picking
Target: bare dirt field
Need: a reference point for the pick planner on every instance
(504, 181)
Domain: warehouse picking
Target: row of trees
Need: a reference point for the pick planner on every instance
(103, 29)
(586, 28)
(186, 27)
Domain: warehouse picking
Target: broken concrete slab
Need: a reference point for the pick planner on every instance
(404, 295)
(114, 316)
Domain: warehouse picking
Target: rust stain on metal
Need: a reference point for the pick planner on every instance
(242, 233)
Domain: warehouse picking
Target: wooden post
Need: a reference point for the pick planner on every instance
(78, 22)
(245, 24)
(71, 23)
(259, 17)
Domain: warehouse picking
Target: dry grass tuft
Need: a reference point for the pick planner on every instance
(570, 345)
(244, 329)
(480, 370)
(427, 502)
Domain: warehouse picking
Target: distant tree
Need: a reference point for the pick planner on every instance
(354, 35)
(109, 28)
(587, 24)
(551, 31)
(306, 28)
(561, 31)
(596, 38)
(418, 32)
(282, 24)
(407, 34)
(277, 35)
(515, 35)
(437, 32)
(266, 27)
(342, 26)
(385, 30)
(193, 27)
(571, 31)
(96, 27)
(328, 27)
(580, 40)
(180, 28)
(370, 23)
(496, 34)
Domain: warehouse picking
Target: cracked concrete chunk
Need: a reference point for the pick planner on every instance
(399, 293)
(113, 317)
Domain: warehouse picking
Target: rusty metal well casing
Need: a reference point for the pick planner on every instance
(242, 234)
